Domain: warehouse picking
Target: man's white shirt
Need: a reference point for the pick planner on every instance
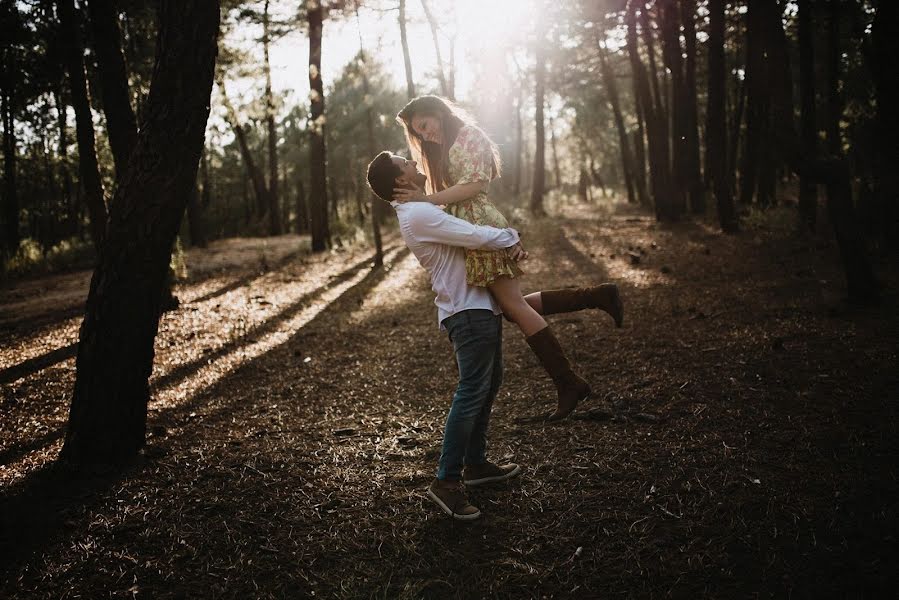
(438, 240)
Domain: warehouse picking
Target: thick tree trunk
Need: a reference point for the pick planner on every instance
(120, 121)
(87, 155)
(539, 182)
(407, 60)
(318, 193)
(274, 203)
(107, 419)
(808, 188)
(886, 176)
(669, 21)
(716, 136)
(611, 86)
(691, 112)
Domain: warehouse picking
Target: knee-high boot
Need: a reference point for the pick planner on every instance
(570, 386)
(604, 297)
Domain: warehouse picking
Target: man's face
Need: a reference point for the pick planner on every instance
(410, 173)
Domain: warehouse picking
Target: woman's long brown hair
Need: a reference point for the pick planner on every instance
(434, 158)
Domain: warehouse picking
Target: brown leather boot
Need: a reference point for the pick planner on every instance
(569, 385)
(604, 297)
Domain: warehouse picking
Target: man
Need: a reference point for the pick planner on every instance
(471, 317)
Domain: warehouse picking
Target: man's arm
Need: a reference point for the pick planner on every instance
(430, 224)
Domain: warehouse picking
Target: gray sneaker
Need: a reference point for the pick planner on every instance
(489, 473)
(450, 496)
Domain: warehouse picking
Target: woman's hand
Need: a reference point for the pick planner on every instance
(411, 194)
(517, 252)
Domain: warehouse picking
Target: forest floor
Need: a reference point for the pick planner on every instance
(742, 440)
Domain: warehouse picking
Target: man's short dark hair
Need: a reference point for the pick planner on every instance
(382, 174)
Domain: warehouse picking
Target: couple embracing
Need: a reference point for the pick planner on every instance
(472, 257)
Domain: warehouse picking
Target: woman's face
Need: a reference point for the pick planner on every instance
(428, 127)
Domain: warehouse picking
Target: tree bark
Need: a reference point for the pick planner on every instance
(716, 136)
(407, 60)
(539, 182)
(557, 171)
(691, 112)
(654, 113)
(669, 22)
(274, 210)
(318, 193)
(65, 173)
(87, 155)
(808, 188)
(120, 121)
(885, 48)
(612, 96)
(107, 418)
(11, 236)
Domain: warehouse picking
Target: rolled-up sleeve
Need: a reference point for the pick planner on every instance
(429, 224)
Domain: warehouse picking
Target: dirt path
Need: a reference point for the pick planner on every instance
(742, 441)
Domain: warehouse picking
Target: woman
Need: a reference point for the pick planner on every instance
(459, 161)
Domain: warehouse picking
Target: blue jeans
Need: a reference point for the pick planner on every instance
(477, 338)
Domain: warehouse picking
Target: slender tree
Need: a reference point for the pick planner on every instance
(120, 121)
(885, 48)
(441, 70)
(669, 22)
(539, 182)
(256, 177)
(9, 18)
(716, 136)
(318, 193)
(376, 204)
(808, 188)
(107, 418)
(272, 195)
(691, 109)
(407, 60)
(611, 85)
(69, 30)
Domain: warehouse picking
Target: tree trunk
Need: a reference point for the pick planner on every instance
(107, 418)
(886, 177)
(407, 60)
(66, 175)
(302, 212)
(656, 128)
(691, 112)
(539, 182)
(808, 188)
(11, 236)
(318, 193)
(640, 147)
(87, 155)
(716, 135)
(519, 139)
(274, 203)
(612, 96)
(441, 73)
(253, 171)
(669, 23)
(120, 121)
(376, 203)
(833, 101)
(557, 172)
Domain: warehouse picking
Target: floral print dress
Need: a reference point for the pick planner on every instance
(470, 160)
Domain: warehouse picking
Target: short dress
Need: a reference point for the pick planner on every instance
(470, 160)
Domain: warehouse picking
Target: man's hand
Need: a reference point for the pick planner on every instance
(517, 252)
(409, 194)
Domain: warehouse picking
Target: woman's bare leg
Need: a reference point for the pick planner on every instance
(507, 292)
(535, 301)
